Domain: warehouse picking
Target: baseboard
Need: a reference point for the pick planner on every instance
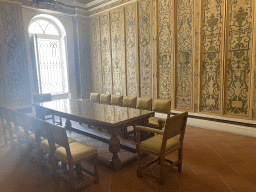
(225, 127)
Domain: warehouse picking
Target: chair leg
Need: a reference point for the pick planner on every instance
(53, 119)
(135, 133)
(162, 171)
(79, 170)
(96, 174)
(60, 122)
(138, 163)
(180, 158)
(71, 177)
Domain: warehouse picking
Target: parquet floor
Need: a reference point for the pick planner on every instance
(213, 161)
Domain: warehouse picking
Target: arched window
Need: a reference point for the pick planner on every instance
(50, 54)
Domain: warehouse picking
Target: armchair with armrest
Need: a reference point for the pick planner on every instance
(161, 145)
(160, 106)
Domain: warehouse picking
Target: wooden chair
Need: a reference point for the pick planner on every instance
(161, 145)
(95, 97)
(144, 103)
(105, 99)
(117, 100)
(160, 106)
(72, 154)
(38, 98)
(129, 101)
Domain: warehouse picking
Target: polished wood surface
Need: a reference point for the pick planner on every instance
(108, 115)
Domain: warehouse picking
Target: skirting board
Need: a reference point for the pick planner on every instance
(220, 126)
(225, 127)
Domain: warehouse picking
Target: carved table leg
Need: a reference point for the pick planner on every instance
(68, 124)
(114, 147)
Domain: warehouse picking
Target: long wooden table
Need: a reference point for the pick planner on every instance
(109, 117)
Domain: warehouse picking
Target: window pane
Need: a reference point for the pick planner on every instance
(35, 28)
(43, 23)
(52, 76)
(51, 30)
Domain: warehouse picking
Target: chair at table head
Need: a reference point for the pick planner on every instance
(129, 101)
(95, 97)
(163, 144)
(105, 98)
(37, 98)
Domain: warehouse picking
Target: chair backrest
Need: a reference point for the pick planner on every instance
(95, 97)
(117, 100)
(59, 134)
(129, 101)
(105, 98)
(60, 137)
(42, 97)
(162, 106)
(144, 103)
(175, 125)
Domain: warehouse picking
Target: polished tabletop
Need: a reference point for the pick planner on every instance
(110, 114)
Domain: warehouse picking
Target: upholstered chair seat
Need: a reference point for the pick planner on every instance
(129, 101)
(154, 144)
(116, 100)
(95, 97)
(105, 99)
(78, 151)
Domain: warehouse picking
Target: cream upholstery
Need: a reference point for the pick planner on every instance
(144, 103)
(78, 151)
(161, 105)
(116, 100)
(105, 98)
(129, 101)
(95, 97)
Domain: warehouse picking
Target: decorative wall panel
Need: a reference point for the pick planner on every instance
(115, 23)
(131, 50)
(145, 48)
(95, 54)
(239, 45)
(212, 55)
(184, 67)
(106, 54)
(14, 79)
(165, 47)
